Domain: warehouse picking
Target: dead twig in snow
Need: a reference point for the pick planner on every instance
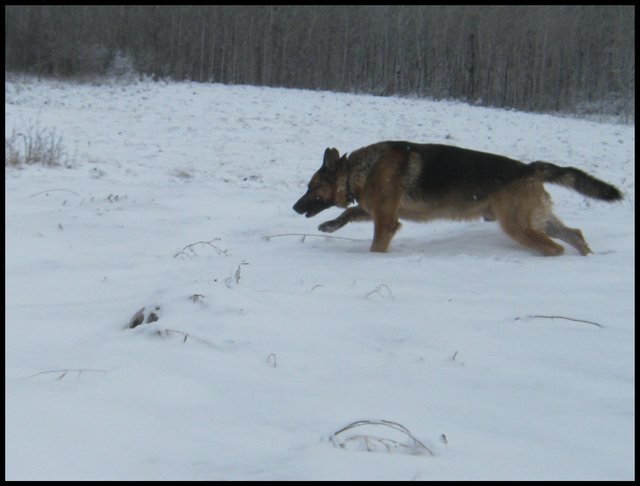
(370, 441)
(192, 337)
(378, 290)
(185, 334)
(54, 190)
(229, 280)
(65, 371)
(189, 247)
(561, 317)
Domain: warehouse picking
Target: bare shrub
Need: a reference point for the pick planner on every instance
(35, 145)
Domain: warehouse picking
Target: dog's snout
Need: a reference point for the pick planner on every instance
(297, 207)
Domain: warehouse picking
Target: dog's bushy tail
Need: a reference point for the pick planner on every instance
(575, 179)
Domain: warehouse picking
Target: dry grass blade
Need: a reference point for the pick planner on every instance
(54, 190)
(379, 291)
(562, 317)
(64, 372)
(191, 337)
(416, 446)
(191, 246)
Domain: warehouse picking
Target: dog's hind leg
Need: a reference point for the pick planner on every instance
(355, 213)
(573, 236)
(531, 238)
(539, 241)
(523, 212)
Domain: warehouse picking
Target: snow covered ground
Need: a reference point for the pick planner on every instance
(178, 197)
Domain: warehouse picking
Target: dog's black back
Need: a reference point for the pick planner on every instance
(447, 168)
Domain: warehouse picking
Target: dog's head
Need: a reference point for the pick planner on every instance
(323, 191)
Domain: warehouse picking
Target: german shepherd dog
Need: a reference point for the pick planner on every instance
(422, 182)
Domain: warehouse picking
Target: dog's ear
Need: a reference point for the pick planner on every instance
(331, 156)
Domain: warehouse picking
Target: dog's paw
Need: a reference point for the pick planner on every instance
(329, 226)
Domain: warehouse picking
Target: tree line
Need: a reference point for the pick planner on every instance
(538, 58)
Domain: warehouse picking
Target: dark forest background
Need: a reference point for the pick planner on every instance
(578, 59)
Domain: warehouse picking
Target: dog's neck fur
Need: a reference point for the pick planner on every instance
(344, 195)
(353, 173)
(350, 197)
(348, 193)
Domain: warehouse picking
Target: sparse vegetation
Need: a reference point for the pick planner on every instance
(168, 332)
(35, 145)
(236, 276)
(188, 250)
(374, 443)
(383, 291)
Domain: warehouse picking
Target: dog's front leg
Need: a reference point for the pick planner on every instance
(356, 213)
(383, 230)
